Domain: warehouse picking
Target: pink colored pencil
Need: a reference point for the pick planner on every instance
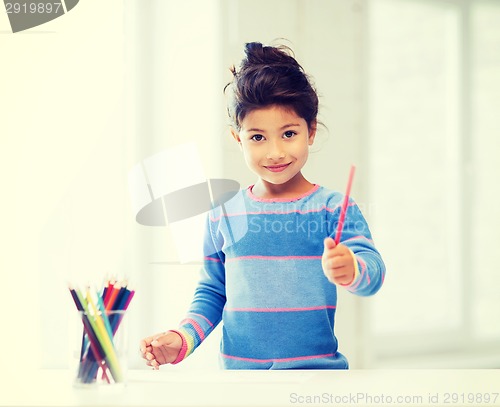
(343, 210)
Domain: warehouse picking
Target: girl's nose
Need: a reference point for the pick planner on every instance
(275, 152)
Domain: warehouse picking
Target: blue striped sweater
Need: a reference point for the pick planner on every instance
(262, 277)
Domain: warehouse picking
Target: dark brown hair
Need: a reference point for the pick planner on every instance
(270, 76)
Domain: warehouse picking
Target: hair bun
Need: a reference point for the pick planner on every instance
(258, 54)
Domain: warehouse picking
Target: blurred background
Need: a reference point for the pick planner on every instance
(409, 92)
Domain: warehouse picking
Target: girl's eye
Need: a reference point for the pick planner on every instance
(289, 134)
(257, 137)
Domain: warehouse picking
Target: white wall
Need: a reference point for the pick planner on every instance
(64, 200)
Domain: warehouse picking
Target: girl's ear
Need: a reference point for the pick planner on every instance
(312, 132)
(236, 136)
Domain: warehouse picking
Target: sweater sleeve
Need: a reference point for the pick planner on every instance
(209, 299)
(357, 237)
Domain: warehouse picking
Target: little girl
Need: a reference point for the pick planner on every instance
(272, 270)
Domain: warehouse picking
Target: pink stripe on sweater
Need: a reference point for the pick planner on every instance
(359, 237)
(203, 317)
(300, 212)
(282, 360)
(196, 327)
(212, 259)
(273, 258)
(320, 307)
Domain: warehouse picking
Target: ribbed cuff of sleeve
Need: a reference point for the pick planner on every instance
(182, 353)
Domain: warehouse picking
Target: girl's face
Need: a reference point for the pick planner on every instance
(275, 143)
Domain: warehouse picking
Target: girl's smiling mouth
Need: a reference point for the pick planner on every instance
(277, 168)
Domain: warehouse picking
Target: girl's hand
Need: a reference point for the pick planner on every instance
(161, 348)
(337, 262)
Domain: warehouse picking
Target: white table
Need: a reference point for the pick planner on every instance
(261, 388)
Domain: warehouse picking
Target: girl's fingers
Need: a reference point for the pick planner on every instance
(338, 262)
(161, 348)
(165, 339)
(329, 244)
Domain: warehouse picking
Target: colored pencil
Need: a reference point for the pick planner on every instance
(119, 297)
(109, 290)
(106, 342)
(97, 352)
(105, 317)
(126, 301)
(112, 297)
(102, 312)
(345, 203)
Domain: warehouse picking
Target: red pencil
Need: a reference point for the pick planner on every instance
(111, 300)
(343, 210)
(109, 290)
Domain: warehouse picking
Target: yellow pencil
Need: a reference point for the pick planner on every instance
(103, 337)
